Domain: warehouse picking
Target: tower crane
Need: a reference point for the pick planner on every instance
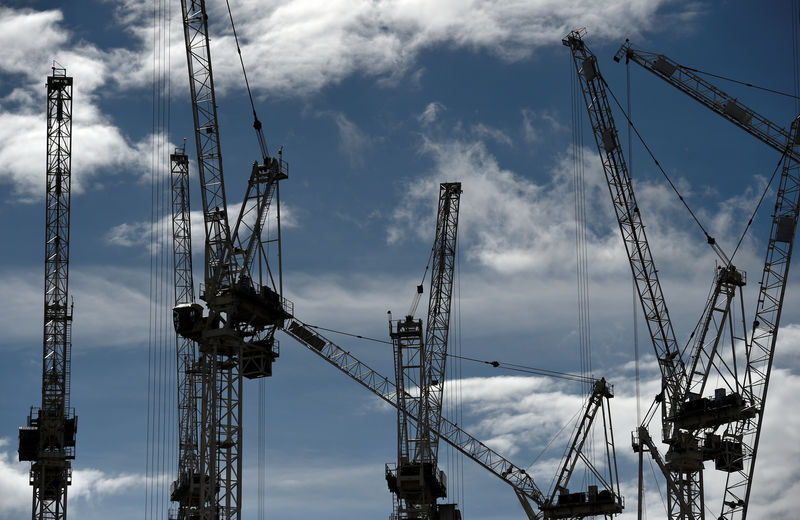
(416, 480)
(739, 445)
(648, 286)
(686, 414)
(236, 338)
(48, 440)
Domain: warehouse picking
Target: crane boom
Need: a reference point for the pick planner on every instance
(209, 154)
(48, 440)
(629, 219)
(381, 386)
(437, 328)
(685, 80)
(620, 184)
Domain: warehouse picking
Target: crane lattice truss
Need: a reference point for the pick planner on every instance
(48, 440)
(416, 480)
(690, 421)
(236, 337)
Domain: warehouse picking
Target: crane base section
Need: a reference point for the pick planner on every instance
(581, 505)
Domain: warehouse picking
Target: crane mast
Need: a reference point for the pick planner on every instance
(671, 364)
(416, 481)
(236, 338)
(738, 446)
(186, 488)
(48, 440)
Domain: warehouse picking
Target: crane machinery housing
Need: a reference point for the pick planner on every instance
(48, 440)
(691, 422)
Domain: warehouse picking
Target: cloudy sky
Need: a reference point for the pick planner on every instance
(375, 103)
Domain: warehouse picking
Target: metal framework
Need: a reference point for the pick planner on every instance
(416, 481)
(737, 449)
(48, 440)
(245, 306)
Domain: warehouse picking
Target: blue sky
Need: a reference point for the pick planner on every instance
(375, 103)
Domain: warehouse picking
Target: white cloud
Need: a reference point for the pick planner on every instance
(533, 121)
(110, 306)
(431, 113)
(306, 45)
(90, 487)
(15, 492)
(301, 46)
(353, 142)
(482, 132)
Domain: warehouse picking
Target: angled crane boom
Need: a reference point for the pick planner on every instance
(515, 476)
(712, 97)
(437, 329)
(48, 440)
(671, 364)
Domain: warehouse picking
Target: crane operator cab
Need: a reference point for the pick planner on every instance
(188, 320)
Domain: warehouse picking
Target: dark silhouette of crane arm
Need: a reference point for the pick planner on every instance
(710, 96)
(451, 433)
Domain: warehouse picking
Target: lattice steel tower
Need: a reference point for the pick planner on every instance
(48, 441)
